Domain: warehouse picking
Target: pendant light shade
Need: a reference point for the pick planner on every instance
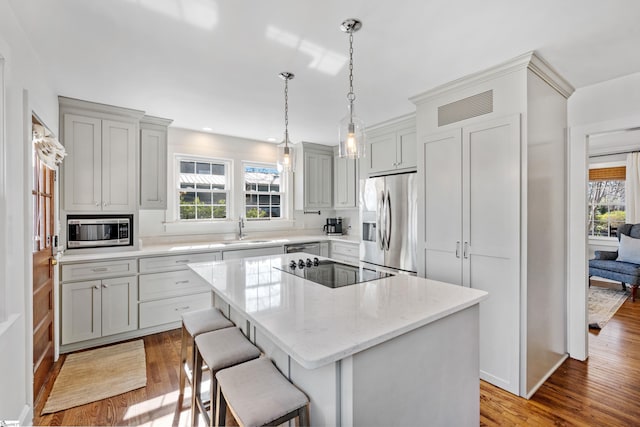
(351, 133)
(285, 160)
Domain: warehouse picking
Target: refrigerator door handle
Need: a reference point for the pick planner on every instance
(465, 253)
(388, 219)
(458, 249)
(379, 222)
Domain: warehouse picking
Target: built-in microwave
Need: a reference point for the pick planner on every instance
(98, 231)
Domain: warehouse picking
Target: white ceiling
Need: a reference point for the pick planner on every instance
(214, 63)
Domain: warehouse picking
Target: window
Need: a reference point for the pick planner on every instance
(203, 189)
(606, 201)
(263, 192)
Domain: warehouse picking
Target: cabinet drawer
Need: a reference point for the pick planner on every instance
(98, 270)
(170, 310)
(345, 249)
(175, 262)
(170, 284)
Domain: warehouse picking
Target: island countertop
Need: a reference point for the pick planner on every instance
(317, 325)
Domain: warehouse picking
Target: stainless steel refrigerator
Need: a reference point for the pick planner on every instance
(388, 211)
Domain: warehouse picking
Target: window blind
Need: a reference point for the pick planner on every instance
(608, 174)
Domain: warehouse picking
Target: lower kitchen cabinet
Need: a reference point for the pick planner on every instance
(347, 252)
(170, 310)
(245, 253)
(97, 308)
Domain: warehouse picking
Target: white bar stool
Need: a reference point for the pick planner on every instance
(257, 394)
(195, 323)
(218, 350)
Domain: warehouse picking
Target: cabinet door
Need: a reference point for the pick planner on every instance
(491, 207)
(82, 167)
(406, 149)
(318, 183)
(81, 304)
(382, 153)
(153, 169)
(119, 305)
(442, 156)
(345, 183)
(118, 166)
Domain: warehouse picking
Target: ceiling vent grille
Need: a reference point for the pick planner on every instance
(466, 108)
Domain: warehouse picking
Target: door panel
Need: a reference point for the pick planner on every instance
(401, 217)
(118, 166)
(42, 292)
(82, 180)
(119, 305)
(443, 206)
(81, 305)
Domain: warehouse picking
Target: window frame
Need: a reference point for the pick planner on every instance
(228, 165)
(282, 193)
(607, 203)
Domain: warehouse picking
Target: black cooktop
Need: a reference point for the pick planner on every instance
(332, 274)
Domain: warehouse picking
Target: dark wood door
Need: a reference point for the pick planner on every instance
(43, 261)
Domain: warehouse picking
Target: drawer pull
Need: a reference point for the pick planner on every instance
(99, 269)
(96, 287)
(181, 282)
(182, 261)
(186, 307)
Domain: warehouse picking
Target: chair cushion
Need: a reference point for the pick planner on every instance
(258, 393)
(621, 267)
(629, 250)
(225, 347)
(208, 319)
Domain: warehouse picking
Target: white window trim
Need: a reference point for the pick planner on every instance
(176, 187)
(284, 198)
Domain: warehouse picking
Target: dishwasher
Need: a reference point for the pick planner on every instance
(310, 248)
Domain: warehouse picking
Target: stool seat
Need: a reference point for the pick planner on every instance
(205, 320)
(225, 347)
(258, 394)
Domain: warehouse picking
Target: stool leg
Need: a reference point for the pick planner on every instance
(196, 385)
(221, 408)
(213, 387)
(303, 416)
(183, 360)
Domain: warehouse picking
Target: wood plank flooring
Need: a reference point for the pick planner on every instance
(603, 391)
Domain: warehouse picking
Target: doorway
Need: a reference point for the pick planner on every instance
(43, 194)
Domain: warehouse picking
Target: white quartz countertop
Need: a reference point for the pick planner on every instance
(317, 325)
(183, 247)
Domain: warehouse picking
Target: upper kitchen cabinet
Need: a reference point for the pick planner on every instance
(153, 162)
(391, 147)
(100, 171)
(345, 182)
(313, 176)
(492, 215)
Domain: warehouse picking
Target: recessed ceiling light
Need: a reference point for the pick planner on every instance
(207, 129)
(271, 139)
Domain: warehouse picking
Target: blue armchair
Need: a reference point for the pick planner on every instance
(605, 264)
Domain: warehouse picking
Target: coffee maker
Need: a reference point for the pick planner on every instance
(333, 227)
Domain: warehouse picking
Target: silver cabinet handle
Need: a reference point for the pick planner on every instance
(96, 287)
(465, 252)
(105, 286)
(186, 307)
(99, 269)
(458, 249)
(97, 203)
(182, 261)
(182, 282)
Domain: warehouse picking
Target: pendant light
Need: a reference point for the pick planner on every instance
(351, 133)
(285, 151)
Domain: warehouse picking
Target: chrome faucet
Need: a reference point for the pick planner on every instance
(240, 227)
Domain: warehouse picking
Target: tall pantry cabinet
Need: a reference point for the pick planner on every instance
(492, 181)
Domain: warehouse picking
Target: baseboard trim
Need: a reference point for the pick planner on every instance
(546, 377)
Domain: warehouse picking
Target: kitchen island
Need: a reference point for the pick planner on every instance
(401, 350)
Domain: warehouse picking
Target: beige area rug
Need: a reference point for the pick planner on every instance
(603, 304)
(92, 375)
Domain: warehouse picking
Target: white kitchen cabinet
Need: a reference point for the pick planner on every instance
(491, 181)
(168, 288)
(100, 170)
(313, 177)
(392, 148)
(97, 308)
(345, 182)
(343, 251)
(153, 162)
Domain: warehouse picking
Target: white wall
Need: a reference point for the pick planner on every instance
(603, 107)
(27, 90)
(159, 224)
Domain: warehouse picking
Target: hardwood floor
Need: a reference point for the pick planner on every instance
(603, 391)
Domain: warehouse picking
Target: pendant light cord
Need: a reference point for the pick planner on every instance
(351, 96)
(286, 112)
